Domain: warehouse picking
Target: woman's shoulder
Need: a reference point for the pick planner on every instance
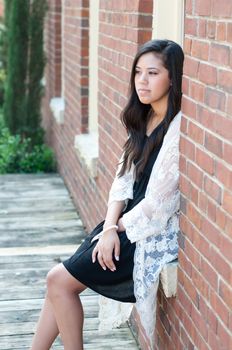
(174, 128)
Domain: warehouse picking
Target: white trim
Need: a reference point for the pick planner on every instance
(168, 20)
(57, 106)
(86, 146)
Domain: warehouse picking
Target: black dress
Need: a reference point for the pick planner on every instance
(119, 284)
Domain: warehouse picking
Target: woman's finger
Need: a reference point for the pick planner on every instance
(117, 251)
(94, 253)
(101, 261)
(108, 260)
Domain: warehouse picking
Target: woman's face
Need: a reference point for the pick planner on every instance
(152, 82)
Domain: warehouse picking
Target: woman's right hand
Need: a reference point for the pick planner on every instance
(107, 245)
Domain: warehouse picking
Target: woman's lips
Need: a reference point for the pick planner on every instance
(143, 91)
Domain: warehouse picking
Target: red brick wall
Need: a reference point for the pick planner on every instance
(118, 42)
(198, 318)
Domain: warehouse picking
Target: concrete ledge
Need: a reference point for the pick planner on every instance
(57, 106)
(86, 146)
(168, 278)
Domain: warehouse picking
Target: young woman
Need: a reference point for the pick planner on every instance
(123, 256)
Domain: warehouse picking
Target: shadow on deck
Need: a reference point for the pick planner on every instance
(40, 227)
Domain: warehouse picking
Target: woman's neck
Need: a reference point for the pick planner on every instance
(154, 121)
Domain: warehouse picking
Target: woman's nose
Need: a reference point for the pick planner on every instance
(143, 77)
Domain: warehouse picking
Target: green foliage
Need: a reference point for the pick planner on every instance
(35, 68)
(2, 83)
(17, 61)
(25, 66)
(18, 155)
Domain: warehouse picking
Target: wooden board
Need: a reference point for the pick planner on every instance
(39, 227)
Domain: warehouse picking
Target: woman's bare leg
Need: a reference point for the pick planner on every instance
(46, 330)
(63, 293)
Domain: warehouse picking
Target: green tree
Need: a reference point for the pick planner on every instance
(35, 70)
(25, 67)
(17, 15)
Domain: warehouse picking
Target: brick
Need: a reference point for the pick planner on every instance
(229, 105)
(224, 174)
(214, 342)
(220, 264)
(229, 32)
(189, 288)
(222, 8)
(189, 107)
(200, 283)
(145, 6)
(203, 202)
(204, 161)
(211, 210)
(219, 54)
(227, 202)
(202, 28)
(221, 31)
(194, 215)
(209, 274)
(187, 148)
(225, 292)
(190, 26)
(195, 132)
(215, 99)
(213, 189)
(203, 8)
(211, 29)
(185, 187)
(218, 306)
(201, 244)
(197, 91)
(225, 340)
(201, 324)
(213, 144)
(223, 126)
(191, 67)
(207, 74)
(200, 49)
(220, 218)
(187, 45)
(227, 155)
(195, 174)
(203, 308)
(224, 80)
(185, 263)
(211, 232)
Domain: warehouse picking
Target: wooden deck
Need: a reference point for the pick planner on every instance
(39, 227)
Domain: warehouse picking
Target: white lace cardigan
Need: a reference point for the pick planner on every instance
(153, 224)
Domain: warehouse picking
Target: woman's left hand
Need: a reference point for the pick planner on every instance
(107, 245)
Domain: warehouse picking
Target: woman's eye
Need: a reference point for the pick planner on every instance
(137, 71)
(153, 73)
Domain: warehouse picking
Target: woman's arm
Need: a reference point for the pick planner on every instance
(150, 216)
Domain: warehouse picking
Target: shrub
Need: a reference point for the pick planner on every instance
(17, 155)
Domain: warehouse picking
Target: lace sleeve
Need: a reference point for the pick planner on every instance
(122, 187)
(150, 216)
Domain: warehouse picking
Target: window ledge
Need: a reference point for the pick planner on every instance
(168, 278)
(57, 106)
(86, 146)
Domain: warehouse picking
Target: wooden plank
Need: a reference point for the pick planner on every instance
(39, 227)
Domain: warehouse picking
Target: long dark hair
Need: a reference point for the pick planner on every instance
(136, 115)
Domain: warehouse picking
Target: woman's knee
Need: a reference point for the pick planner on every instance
(54, 280)
(60, 281)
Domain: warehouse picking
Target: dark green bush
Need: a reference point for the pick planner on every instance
(17, 155)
